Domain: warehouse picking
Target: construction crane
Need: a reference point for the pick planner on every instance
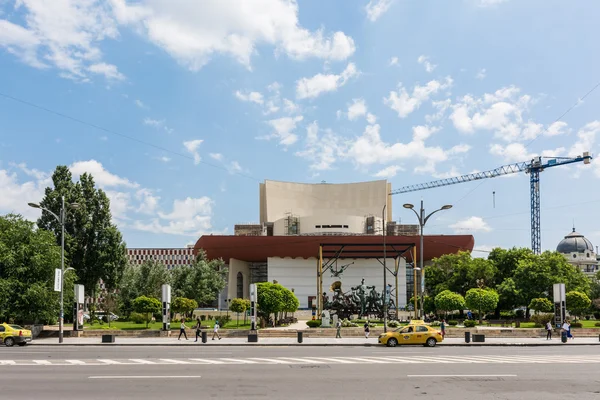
(533, 168)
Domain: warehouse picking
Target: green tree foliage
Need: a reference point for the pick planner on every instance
(273, 298)
(509, 295)
(541, 304)
(535, 276)
(28, 258)
(449, 301)
(457, 273)
(201, 281)
(578, 303)
(142, 280)
(482, 300)
(184, 306)
(148, 306)
(110, 304)
(507, 261)
(239, 306)
(94, 246)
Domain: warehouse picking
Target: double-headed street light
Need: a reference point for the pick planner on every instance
(61, 220)
(422, 221)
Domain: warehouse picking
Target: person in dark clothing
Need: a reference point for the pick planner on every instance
(198, 328)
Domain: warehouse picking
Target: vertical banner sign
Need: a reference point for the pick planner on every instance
(57, 280)
(253, 301)
(560, 303)
(78, 306)
(166, 307)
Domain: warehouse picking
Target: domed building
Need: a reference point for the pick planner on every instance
(579, 252)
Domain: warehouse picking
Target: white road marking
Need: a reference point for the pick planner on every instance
(76, 362)
(7, 362)
(141, 361)
(272, 360)
(238, 361)
(110, 362)
(173, 361)
(301, 360)
(335, 360)
(461, 376)
(206, 360)
(42, 362)
(144, 377)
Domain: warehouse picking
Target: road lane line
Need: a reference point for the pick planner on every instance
(110, 362)
(76, 362)
(206, 360)
(304, 360)
(144, 377)
(462, 376)
(7, 362)
(141, 361)
(42, 362)
(271, 360)
(173, 361)
(336, 360)
(238, 360)
(371, 360)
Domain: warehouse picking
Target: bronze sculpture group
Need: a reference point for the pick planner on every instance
(364, 301)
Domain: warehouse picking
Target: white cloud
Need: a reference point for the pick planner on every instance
(284, 130)
(481, 74)
(64, 34)
(102, 177)
(321, 83)
(556, 128)
(192, 146)
(148, 201)
(404, 103)
(216, 156)
(358, 108)
(441, 107)
(119, 205)
(389, 172)
(424, 60)
(158, 124)
(140, 104)
(16, 194)
(489, 3)
(586, 138)
(474, 224)
(376, 8)
(290, 107)
(108, 70)
(394, 61)
(371, 119)
(322, 150)
(254, 97)
(192, 32)
(164, 159)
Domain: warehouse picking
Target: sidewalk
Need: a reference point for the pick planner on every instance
(127, 341)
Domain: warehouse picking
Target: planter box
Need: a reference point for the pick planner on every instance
(478, 338)
(108, 338)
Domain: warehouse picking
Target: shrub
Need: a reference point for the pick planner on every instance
(597, 315)
(314, 324)
(520, 313)
(393, 324)
(137, 318)
(210, 317)
(507, 315)
(597, 324)
(453, 322)
(536, 325)
(203, 317)
(542, 319)
(436, 323)
(576, 325)
(223, 319)
(470, 323)
(349, 324)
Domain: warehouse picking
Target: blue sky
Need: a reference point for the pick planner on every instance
(215, 98)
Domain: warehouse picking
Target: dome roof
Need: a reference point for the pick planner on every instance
(574, 243)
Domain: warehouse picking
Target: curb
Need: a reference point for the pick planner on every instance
(306, 345)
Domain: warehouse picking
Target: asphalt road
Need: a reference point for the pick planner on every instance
(300, 373)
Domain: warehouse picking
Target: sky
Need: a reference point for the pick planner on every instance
(181, 108)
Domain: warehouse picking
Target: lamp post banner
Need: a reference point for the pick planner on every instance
(57, 280)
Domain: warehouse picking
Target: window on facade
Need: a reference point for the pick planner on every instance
(240, 285)
(317, 226)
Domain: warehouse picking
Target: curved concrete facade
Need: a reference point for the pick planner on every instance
(279, 200)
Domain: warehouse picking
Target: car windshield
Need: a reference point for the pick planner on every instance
(16, 327)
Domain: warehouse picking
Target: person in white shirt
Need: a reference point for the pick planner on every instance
(548, 331)
(182, 329)
(216, 331)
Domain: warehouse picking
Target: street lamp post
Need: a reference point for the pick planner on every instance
(384, 273)
(61, 221)
(415, 269)
(422, 221)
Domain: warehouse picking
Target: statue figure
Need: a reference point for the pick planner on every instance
(374, 304)
(359, 296)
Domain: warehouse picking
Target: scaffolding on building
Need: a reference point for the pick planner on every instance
(291, 224)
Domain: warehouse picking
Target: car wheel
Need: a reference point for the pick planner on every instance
(431, 342)
(392, 342)
(9, 342)
(22, 344)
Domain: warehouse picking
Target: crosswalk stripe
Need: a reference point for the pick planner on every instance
(271, 360)
(7, 362)
(173, 361)
(301, 360)
(76, 362)
(141, 361)
(42, 362)
(335, 360)
(238, 360)
(370, 360)
(206, 360)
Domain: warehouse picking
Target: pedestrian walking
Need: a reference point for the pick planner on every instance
(216, 331)
(443, 328)
(198, 328)
(182, 329)
(548, 331)
(569, 334)
(367, 330)
(338, 329)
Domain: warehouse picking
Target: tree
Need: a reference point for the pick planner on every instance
(110, 304)
(457, 273)
(201, 281)
(273, 298)
(238, 306)
(142, 280)
(509, 296)
(184, 306)
(447, 301)
(577, 303)
(482, 300)
(94, 246)
(507, 261)
(28, 258)
(148, 306)
(541, 304)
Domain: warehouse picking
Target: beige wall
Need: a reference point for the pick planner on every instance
(236, 266)
(302, 199)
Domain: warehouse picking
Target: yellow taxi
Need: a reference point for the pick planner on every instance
(14, 334)
(414, 333)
